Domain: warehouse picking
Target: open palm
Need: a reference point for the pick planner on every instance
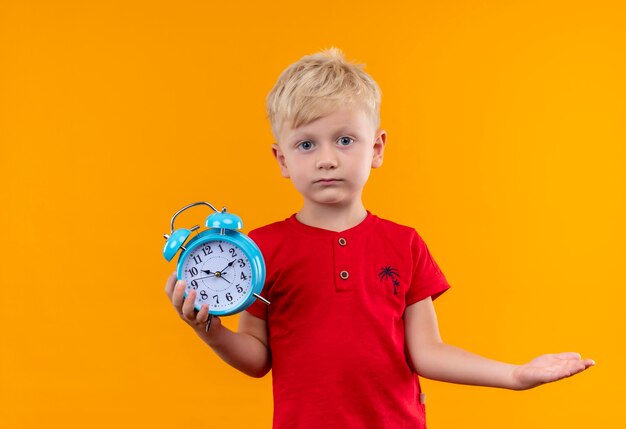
(549, 368)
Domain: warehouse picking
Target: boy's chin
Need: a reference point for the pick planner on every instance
(334, 201)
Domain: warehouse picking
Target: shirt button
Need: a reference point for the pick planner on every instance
(344, 274)
(342, 241)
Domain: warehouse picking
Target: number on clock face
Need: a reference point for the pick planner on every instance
(220, 273)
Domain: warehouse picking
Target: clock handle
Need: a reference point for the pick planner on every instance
(188, 207)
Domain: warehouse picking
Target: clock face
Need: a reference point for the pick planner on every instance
(220, 273)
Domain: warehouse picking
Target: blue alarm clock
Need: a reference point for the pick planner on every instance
(224, 266)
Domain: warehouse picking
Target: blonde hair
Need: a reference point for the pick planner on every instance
(309, 88)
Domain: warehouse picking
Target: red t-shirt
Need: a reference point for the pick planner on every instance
(336, 326)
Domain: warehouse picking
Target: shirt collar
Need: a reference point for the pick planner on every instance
(313, 231)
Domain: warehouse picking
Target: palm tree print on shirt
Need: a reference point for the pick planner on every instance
(392, 274)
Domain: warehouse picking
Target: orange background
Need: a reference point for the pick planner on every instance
(506, 151)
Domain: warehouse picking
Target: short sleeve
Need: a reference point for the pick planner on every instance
(258, 308)
(427, 279)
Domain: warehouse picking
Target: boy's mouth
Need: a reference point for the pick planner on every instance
(327, 181)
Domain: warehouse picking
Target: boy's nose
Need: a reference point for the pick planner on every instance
(326, 158)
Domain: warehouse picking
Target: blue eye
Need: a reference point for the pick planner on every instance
(345, 141)
(306, 145)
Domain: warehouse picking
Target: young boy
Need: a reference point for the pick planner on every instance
(352, 323)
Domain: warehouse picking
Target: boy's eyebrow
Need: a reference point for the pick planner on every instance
(302, 135)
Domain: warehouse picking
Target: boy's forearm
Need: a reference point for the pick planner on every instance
(432, 358)
(444, 362)
(240, 350)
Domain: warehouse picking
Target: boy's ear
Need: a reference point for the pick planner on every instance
(379, 148)
(281, 160)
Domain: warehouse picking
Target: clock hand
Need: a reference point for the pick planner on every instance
(202, 278)
(218, 273)
(230, 264)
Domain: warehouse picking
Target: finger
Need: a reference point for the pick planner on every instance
(203, 315)
(582, 365)
(189, 311)
(178, 296)
(572, 367)
(568, 356)
(589, 362)
(169, 285)
(577, 358)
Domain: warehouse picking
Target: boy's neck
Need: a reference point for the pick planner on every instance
(332, 217)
